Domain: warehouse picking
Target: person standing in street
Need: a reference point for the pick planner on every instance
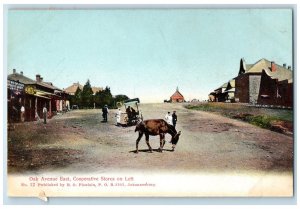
(45, 114)
(22, 114)
(168, 118)
(174, 118)
(118, 116)
(104, 113)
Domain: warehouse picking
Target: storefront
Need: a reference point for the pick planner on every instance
(15, 99)
(33, 95)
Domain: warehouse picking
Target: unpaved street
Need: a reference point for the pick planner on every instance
(78, 142)
(215, 156)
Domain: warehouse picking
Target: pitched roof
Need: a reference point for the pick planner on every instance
(177, 94)
(54, 87)
(223, 86)
(280, 74)
(46, 84)
(263, 64)
(73, 88)
(20, 78)
(248, 66)
(96, 89)
(230, 85)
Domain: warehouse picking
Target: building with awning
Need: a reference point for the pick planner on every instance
(17, 96)
(33, 95)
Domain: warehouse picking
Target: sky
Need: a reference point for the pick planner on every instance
(146, 53)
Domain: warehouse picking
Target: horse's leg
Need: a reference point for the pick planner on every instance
(138, 140)
(162, 141)
(173, 147)
(147, 142)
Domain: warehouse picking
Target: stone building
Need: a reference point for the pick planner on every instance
(263, 82)
(248, 82)
(276, 87)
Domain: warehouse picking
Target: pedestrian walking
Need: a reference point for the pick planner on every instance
(22, 114)
(168, 118)
(174, 118)
(45, 114)
(104, 113)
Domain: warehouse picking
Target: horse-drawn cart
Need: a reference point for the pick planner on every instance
(132, 113)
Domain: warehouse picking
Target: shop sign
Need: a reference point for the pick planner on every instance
(30, 90)
(15, 86)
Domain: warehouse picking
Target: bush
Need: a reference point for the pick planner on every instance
(262, 121)
(261, 117)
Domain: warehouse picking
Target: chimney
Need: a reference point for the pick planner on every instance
(14, 71)
(284, 65)
(41, 79)
(38, 77)
(273, 67)
(289, 68)
(21, 72)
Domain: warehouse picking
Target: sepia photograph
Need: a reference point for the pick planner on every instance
(149, 102)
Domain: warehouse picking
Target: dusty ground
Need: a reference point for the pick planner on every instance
(78, 142)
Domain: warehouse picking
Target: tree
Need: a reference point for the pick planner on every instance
(104, 98)
(87, 95)
(76, 98)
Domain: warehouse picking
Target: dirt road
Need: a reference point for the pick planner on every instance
(215, 156)
(78, 139)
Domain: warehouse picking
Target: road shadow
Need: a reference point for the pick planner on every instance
(153, 150)
(122, 125)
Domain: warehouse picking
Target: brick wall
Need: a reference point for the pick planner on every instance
(267, 93)
(242, 88)
(273, 92)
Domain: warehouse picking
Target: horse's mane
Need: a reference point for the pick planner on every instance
(172, 128)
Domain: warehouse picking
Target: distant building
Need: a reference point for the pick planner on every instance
(248, 82)
(264, 83)
(219, 93)
(230, 91)
(212, 97)
(33, 95)
(177, 96)
(276, 88)
(73, 88)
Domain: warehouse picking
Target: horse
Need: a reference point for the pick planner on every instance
(156, 127)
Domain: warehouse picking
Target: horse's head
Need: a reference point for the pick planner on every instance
(175, 139)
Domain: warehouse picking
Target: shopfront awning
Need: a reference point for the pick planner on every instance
(43, 94)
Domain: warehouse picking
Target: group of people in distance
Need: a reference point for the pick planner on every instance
(131, 113)
(171, 119)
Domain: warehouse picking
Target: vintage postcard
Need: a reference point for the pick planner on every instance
(150, 102)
